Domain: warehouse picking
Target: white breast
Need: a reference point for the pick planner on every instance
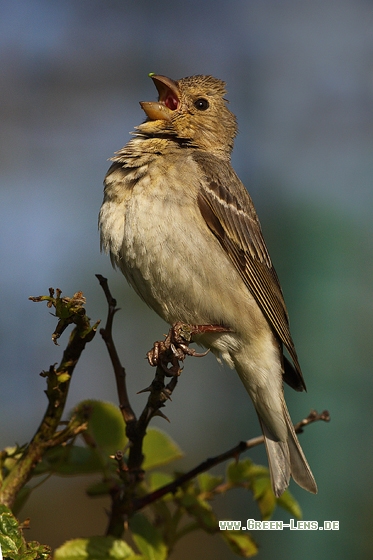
(157, 236)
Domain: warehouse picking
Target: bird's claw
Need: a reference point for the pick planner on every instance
(175, 347)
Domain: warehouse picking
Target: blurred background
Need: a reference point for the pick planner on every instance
(300, 80)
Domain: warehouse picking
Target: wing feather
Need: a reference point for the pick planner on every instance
(230, 214)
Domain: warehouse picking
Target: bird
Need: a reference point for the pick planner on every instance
(182, 228)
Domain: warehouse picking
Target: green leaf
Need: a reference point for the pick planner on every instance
(159, 449)
(158, 479)
(12, 542)
(241, 544)
(12, 456)
(10, 534)
(258, 471)
(147, 538)
(264, 496)
(96, 548)
(239, 472)
(200, 510)
(37, 551)
(8, 546)
(70, 460)
(106, 426)
(257, 477)
(290, 504)
(207, 482)
(104, 436)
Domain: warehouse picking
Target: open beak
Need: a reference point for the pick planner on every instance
(168, 99)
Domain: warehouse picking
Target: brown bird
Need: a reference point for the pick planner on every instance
(182, 228)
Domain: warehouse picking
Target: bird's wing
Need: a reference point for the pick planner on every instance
(230, 214)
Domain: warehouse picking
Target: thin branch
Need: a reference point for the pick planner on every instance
(159, 392)
(68, 311)
(119, 371)
(206, 465)
(172, 350)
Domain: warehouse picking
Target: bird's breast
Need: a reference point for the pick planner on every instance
(159, 239)
(162, 241)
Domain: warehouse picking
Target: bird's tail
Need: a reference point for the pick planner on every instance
(286, 459)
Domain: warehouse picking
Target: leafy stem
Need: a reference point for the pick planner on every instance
(68, 311)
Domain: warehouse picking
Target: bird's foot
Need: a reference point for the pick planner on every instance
(175, 347)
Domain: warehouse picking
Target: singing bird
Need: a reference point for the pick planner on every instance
(180, 225)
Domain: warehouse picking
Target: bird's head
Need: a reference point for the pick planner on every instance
(193, 110)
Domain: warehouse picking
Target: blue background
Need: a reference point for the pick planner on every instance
(300, 80)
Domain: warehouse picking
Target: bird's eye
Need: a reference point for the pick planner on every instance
(201, 104)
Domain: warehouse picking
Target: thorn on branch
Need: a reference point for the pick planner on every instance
(159, 413)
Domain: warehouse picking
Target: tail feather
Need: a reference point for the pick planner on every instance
(278, 461)
(286, 458)
(300, 469)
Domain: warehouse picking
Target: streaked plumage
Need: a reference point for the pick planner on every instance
(181, 226)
